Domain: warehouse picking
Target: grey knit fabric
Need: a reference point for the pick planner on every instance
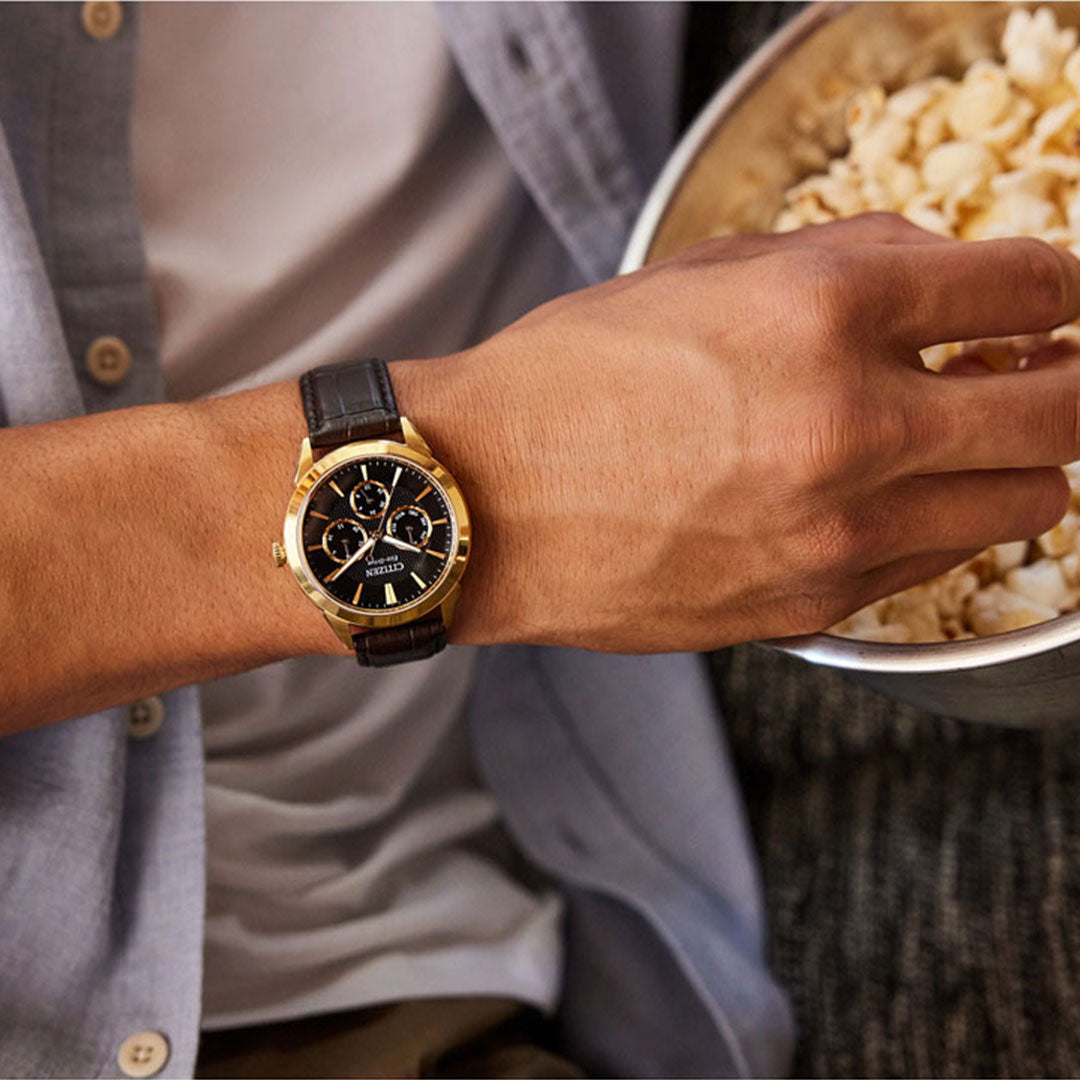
(922, 876)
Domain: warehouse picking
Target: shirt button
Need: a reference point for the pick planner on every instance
(145, 717)
(143, 1053)
(108, 360)
(102, 18)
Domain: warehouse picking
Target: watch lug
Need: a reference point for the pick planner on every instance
(413, 437)
(304, 461)
(449, 607)
(341, 628)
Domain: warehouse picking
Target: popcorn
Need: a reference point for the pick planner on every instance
(917, 609)
(1011, 128)
(953, 589)
(1055, 132)
(1035, 49)
(958, 166)
(1044, 582)
(1008, 556)
(1010, 214)
(899, 181)
(886, 140)
(914, 100)
(863, 111)
(996, 610)
(1061, 539)
(1070, 70)
(1070, 568)
(994, 154)
(981, 100)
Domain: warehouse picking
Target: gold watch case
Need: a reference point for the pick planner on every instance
(341, 617)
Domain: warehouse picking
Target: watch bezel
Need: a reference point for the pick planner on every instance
(456, 562)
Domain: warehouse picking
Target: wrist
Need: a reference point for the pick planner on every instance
(454, 404)
(257, 436)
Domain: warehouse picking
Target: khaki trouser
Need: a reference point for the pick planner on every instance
(427, 1037)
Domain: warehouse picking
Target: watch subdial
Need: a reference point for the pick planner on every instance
(410, 525)
(369, 499)
(343, 538)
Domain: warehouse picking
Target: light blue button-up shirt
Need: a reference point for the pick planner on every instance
(612, 771)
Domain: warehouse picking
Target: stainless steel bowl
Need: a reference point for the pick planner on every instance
(776, 120)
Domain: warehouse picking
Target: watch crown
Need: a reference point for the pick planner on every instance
(279, 554)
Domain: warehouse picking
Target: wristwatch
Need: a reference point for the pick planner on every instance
(377, 531)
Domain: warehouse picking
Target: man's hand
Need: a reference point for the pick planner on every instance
(742, 442)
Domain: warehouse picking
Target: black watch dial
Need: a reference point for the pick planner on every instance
(377, 534)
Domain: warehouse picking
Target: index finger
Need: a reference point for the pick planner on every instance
(926, 294)
(869, 228)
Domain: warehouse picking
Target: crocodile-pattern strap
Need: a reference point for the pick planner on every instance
(349, 402)
(396, 644)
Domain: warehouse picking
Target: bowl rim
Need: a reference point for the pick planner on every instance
(752, 70)
(829, 649)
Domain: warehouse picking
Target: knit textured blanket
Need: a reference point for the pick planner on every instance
(922, 875)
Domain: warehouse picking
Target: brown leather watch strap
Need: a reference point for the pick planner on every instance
(396, 644)
(349, 402)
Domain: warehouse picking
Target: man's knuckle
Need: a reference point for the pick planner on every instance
(840, 437)
(896, 432)
(826, 288)
(886, 225)
(836, 538)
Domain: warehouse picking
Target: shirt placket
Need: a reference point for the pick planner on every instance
(530, 68)
(94, 248)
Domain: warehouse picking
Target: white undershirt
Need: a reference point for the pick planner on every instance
(315, 184)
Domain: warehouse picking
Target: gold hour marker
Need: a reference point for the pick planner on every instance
(314, 547)
(437, 554)
(441, 521)
(333, 484)
(419, 580)
(315, 513)
(423, 493)
(356, 595)
(363, 470)
(391, 596)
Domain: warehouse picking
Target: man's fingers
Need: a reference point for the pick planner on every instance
(954, 511)
(1024, 353)
(967, 364)
(872, 228)
(1016, 420)
(926, 294)
(901, 574)
(1053, 353)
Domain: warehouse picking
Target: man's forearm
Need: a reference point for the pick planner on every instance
(134, 553)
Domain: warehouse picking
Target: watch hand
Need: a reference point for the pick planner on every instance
(401, 544)
(361, 551)
(389, 500)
